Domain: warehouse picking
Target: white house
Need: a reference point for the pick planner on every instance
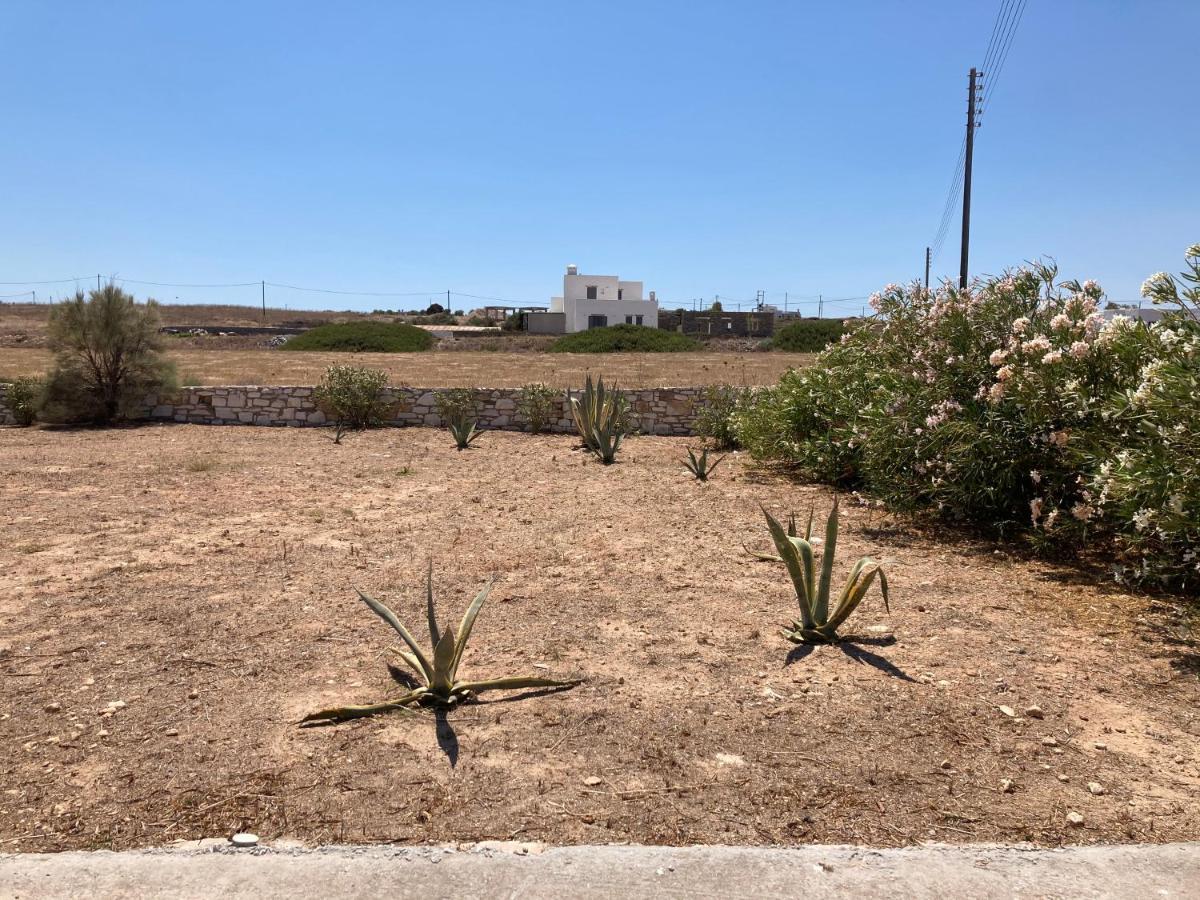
(594, 301)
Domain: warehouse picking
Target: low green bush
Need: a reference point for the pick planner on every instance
(363, 337)
(624, 339)
(714, 418)
(808, 335)
(353, 398)
(23, 397)
(538, 403)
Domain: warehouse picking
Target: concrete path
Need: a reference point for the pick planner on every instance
(530, 871)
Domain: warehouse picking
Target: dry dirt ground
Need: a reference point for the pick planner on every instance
(460, 369)
(174, 598)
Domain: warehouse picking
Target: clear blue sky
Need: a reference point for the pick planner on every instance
(704, 148)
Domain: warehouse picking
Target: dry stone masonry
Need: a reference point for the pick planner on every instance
(662, 411)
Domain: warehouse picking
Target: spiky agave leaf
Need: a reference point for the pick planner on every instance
(381, 610)
(512, 683)
(798, 562)
(821, 601)
(430, 612)
(464, 432)
(856, 589)
(345, 713)
(442, 683)
(468, 622)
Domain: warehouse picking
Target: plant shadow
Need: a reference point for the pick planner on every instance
(855, 649)
(447, 739)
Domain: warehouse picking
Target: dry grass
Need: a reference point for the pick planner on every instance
(218, 606)
(461, 369)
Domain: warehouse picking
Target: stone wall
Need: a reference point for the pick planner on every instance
(664, 411)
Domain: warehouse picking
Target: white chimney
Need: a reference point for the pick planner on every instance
(572, 269)
(652, 296)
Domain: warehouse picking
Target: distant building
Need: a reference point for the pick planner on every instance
(718, 323)
(596, 301)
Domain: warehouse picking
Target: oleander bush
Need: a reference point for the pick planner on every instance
(538, 404)
(23, 397)
(1016, 405)
(353, 398)
(714, 418)
(363, 337)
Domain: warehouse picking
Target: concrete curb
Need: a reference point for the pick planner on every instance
(498, 869)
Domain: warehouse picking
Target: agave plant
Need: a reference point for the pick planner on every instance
(464, 430)
(438, 673)
(817, 623)
(699, 465)
(602, 417)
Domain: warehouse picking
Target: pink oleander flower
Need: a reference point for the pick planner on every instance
(1061, 321)
(1020, 325)
(996, 391)
(1035, 509)
(1054, 356)
(1082, 512)
(1079, 350)
(1040, 343)
(998, 356)
(1004, 373)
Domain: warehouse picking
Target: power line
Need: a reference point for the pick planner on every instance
(53, 280)
(173, 284)
(312, 290)
(1002, 56)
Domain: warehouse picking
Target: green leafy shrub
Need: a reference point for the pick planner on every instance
(458, 409)
(1014, 405)
(623, 339)
(363, 337)
(714, 418)
(107, 358)
(808, 335)
(353, 397)
(23, 397)
(538, 404)
(439, 684)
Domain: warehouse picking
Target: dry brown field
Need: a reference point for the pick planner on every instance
(459, 368)
(173, 599)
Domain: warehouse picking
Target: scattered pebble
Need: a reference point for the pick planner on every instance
(244, 839)
(1074, 819)
(193, 694)
(1049, 742)
(946, 764)
(1007, 785)
(1100, 745)
(1064, 778)
(1035, 712)
(1095, 787)
(53, 707)
(1008, 711)
(593, 780)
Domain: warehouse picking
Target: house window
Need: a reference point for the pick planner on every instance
(620, 293)
(637, 320)
(629, 320)
(591, 292)
(597, 321)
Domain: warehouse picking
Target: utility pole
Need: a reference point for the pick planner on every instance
(97, 281)
(785, 299)
(820, 306)
(972, 93)
(927, 260)
(447, 300)
(264, 300)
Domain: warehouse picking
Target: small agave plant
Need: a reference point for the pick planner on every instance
(699, 466)
(464, 431)
(818, 624)
(439, 675)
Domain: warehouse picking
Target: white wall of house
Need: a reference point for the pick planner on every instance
(590, 301)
